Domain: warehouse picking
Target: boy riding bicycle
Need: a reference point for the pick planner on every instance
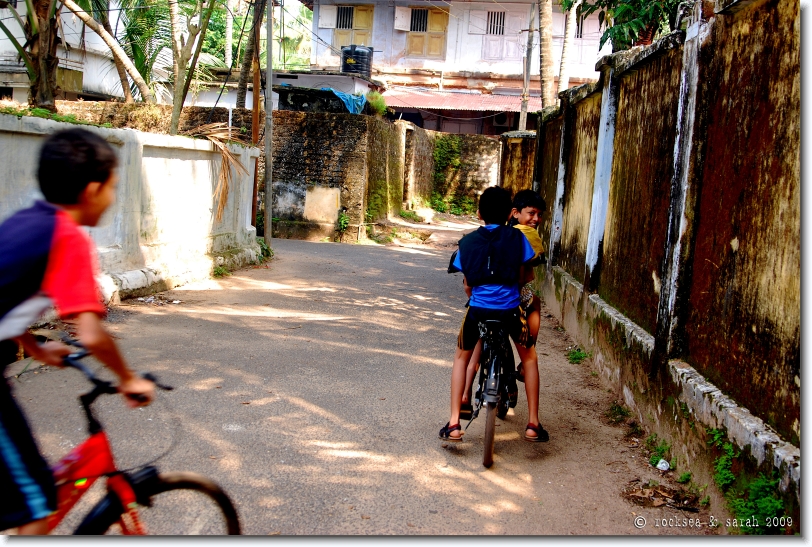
(47, 260)
(491, 260)
(528, 206)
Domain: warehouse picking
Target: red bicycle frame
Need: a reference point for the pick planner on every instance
(79, 470)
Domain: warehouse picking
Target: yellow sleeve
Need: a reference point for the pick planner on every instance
(532, 237)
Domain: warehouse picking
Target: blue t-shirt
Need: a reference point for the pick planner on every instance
(497, 297)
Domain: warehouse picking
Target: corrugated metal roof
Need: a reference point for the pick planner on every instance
(445, 100)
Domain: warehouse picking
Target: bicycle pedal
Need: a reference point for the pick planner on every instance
(513, 398)
(466, 412)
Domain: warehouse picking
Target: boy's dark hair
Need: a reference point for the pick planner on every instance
(69, 161)
(494, 205)
(529, 198)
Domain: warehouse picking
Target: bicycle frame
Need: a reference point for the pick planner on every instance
(80, 469)
(84, 465)
(493, 364)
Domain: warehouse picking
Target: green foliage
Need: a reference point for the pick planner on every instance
(438, 203)
(377, 103)
(447, 152)
(659, 449)
(266, 253)
(625, 21)
(259, 222)
(343, 222)
(220, 271)
(704, 502)
(411, 215)
(617, 413)
(684, 478)
(462, 205)
(760, 503)
(723, 465)
(576, 355)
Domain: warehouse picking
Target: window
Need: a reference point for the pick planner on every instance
(496, 23)
(427, 32)
(353, 25)
(502, 33)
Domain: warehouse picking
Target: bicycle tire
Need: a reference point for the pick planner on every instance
(490, 427)
(179, 504)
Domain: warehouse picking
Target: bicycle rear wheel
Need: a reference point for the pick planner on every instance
(179, 504)
(490, 426)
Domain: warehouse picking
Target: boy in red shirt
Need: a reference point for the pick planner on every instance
(46, 260)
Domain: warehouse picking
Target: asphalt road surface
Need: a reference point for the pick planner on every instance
(312, 389)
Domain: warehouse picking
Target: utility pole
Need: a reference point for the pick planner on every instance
(527, 61)
(255, 118)
(269, 127)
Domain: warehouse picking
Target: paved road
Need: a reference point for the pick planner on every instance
(313, 389)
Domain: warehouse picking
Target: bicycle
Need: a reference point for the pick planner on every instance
(496, 378)
(139, 502)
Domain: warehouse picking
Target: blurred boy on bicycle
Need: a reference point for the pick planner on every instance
(491, 260)
(46, 260)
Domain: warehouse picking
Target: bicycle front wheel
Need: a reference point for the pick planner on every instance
(179, 504)
(490, 426)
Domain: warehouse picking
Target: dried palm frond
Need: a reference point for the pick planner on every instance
(219, 134)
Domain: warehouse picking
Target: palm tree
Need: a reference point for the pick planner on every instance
(546, 53)
(569, 35)
(248, 57)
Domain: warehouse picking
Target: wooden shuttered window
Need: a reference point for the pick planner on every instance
(427, 33)
(353, 26)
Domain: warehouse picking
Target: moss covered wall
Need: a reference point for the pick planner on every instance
(639, 196)
(582, 148)
(385, 149)
(418, 164)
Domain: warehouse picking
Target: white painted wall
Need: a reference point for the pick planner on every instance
(163, 225)
(464, 47)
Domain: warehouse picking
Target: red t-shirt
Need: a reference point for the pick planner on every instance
(70, 276)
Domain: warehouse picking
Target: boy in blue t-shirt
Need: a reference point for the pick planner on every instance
(491, 260)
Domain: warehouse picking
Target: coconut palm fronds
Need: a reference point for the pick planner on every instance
(220, 134)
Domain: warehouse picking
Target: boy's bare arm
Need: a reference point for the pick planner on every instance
(50, 353)
(95, 338)
(466, 286)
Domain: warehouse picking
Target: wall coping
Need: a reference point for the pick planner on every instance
(518, 135)
(625, 61)
(548, 113)
(31, 125)
(581, 92)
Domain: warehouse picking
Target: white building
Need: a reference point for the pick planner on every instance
(86, 69)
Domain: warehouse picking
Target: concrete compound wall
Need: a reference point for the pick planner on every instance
(162, 231)
(675, 232)
(366, 167)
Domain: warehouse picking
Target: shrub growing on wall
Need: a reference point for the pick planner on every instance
(447, 152)
(377, 103)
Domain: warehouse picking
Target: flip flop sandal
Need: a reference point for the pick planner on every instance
(445, 433)
(541, 434)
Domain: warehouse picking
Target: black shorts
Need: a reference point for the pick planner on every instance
(513, 319)
(26, 481)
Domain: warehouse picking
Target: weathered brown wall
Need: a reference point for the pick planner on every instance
(639, 196)
(547, 155)
(315, 149)
(743, 328)
(582, 147)
(699, 251)
(478, 167)
(385, 149)
(418, 168)
(518, 160)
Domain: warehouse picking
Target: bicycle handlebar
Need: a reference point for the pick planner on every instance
(73, 360)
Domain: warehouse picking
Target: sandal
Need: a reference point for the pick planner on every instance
(445, 433)
(541, 434)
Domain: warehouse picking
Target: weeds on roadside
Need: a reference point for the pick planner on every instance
(411, 215)
(576, 355)
(617, 413)
(220, 271)
(684, 478)
(659, 449)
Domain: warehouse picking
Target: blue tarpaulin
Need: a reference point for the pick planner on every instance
(354, 103)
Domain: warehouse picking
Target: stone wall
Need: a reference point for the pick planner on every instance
(675, 232)
(163, 229)
(418, 178)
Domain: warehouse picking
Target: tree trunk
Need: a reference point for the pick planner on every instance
(122, 72)
(569, 35)
(44, 86)
(548, 97)
(248, 56)
(229, 31)
(116, 50)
